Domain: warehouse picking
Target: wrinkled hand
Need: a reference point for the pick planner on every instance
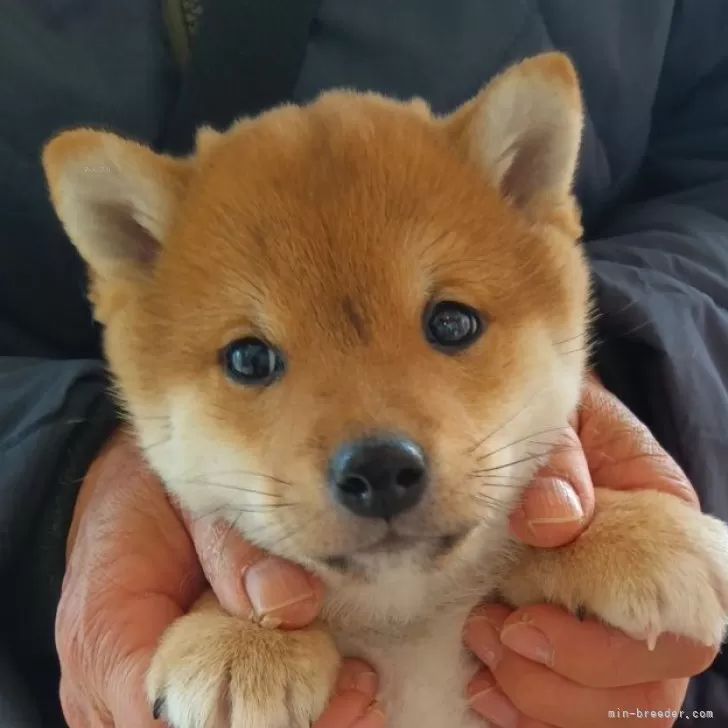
(133, 568)
(546, 668)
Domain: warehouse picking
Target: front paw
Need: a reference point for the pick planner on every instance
(647, 564)
(216, 671)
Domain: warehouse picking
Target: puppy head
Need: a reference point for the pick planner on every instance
(350, 327)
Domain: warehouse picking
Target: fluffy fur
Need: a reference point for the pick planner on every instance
(327, 229)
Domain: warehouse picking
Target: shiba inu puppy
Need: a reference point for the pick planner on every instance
(354, 329)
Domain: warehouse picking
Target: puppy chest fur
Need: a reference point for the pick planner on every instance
(408, 624)
(422, 675)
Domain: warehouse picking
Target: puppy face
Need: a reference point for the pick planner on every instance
(349, 328)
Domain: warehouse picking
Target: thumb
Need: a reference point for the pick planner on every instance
(251, 583)
(559, 503)
(621, 451)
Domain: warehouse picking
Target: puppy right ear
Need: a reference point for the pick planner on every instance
(524, 132)
(115, 198)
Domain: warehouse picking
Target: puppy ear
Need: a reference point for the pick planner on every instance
(206, 140)
(524, 130)
(115, 198)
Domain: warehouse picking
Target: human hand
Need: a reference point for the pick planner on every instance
(545, 667)
(133, 568)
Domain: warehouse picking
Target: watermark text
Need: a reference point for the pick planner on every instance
(648, 714)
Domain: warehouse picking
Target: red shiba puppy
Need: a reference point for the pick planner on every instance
(354, 329)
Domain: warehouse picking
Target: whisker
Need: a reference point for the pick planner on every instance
(522, 439)
(558, 447)
(258, 536)
(274, 546)
(252, 474)
(231, 527)
(252, 508)
(502, 476)
(474, 448)
(526, 459)
(512, 486)
(493, 503)
(246, 473)
(224, 486)
(157, 443)
(570, 339)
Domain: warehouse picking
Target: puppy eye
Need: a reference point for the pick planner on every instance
(252, 361)
(452, 326)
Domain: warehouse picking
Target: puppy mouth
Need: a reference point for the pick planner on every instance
(393, 544)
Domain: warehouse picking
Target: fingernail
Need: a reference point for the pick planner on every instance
(495, 707)
(555, 502)
(529, 642)
(273, 586)
(373, 718)
(356, 677)
(483, 638)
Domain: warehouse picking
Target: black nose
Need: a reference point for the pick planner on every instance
(378, 477)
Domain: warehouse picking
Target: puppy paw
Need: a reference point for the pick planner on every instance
(216, 671)
(647, 564)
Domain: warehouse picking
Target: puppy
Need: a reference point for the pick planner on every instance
(354, 329)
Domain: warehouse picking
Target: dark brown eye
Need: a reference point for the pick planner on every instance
(252, 361)
(452, 326)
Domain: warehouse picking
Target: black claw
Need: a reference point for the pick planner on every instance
(581, 613)
(158, 708)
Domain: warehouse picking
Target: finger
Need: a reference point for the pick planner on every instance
(482, 632)
(586, 652)
(74, 715)
(373, 718)
(489, 702)
(622, 453)
(352, 701)
(540, 693)
(347, 710)
(250, 583)
(124, 680)
(486, 699)
(560, 501)
(356, 675)
(598, 656)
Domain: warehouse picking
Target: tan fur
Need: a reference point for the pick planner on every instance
(327, 229)
(648, 564)
(216, 658)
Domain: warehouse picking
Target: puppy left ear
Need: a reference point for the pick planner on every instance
(115, 198)
(206, 140)
(524, 130)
